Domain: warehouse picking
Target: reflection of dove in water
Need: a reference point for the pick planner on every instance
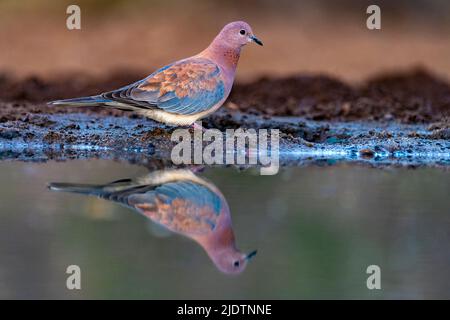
(181, 202)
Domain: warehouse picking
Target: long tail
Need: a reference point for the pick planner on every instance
(118, 191)
(76, 188)
(100, 190)
(83, 101)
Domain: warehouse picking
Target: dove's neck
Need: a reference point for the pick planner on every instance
(225, 56)
(222, 239)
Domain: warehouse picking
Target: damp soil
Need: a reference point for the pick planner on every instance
(417, 96)
(314, 113)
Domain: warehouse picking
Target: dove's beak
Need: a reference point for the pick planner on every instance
(256, 40)
(251, 255)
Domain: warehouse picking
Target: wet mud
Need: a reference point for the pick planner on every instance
(392, 119)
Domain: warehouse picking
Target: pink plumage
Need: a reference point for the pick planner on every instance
(186, 90)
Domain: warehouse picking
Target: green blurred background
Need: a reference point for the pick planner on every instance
(316, 230)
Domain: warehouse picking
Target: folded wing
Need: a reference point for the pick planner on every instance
(186, 87)
(184, 207)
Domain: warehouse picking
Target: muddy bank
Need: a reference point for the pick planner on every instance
(399, 119)
(416, 96)
(43, 137)
(412, 97)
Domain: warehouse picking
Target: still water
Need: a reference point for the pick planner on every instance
(316, 229)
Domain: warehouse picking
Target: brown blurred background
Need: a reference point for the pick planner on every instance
(300, 36)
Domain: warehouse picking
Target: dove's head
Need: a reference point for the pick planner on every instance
(237, 34)
(231, 260)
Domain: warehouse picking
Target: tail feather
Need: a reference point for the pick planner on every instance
(83, 101)
(89, 189)
(117, 190)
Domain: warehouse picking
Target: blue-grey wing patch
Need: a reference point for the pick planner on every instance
(184, 207)
(186, 87)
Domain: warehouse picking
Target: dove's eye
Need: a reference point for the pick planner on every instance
(242, 32)
(236, 263)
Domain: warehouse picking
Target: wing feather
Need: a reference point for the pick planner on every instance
(186, 87)
(184, 206)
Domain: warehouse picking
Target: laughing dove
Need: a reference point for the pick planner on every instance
(183, 203)
(186, 90)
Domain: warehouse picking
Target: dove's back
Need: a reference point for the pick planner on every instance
(179, 93)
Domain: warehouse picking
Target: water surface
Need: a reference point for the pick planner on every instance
(316, 230)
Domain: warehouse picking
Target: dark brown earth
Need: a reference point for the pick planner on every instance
(399, 118)
(416, 96)
(413, 97)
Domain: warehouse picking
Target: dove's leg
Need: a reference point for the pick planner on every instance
(197, 168)
(197, 126)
